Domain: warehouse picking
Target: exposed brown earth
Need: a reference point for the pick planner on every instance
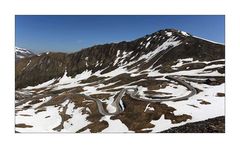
(95, 127)
(156, 93)
(204, 102)
(193, 105)
(136, 119)
(64, 117)
(23, 125)
(101, 96)
(221, 94)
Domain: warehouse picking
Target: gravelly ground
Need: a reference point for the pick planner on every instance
(214, 125)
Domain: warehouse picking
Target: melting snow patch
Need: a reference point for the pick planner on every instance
(148, 108)
(89, 90)
(114, 126)
(118, 52)
(141, 90)
(65, 79)
(116, 72)
(184, 33)
(181, 62)
(77, 120)
(153, 73)
(97, 64)
(45, 84)
(149, 38)
(39, 121)
(168, 33)
(148, 43)
(208, 40)
(28, 63)
(169, 42)
(163, 124)
(117, 59)
(68, 82)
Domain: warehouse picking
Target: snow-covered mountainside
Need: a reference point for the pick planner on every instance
(156, 82)
(22, 53)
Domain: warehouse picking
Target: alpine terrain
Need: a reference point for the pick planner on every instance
(22, 53)
(154, 83)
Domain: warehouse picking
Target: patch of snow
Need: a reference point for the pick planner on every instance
(121, 104)
(168, 33)
(22, 50)
(117, 59)
(19, 56)
(65, 79)
(193, 72)
(141, 90)
(203, 112)
(97, 64)
(173, 90)
(148, 108)
(115, 72)
(77, 120)
(44, 100)
(89, 90)
(118, 52)
(28, 63)
(111, 108)
(148, 43)
(133, 57)
(209, 40)
(43, 85)
(39, 121)
(114, 126)
(184, 33)
(65, 103)
(162, 124)
(181, 62)
(68, 82)
(171, 42)
(153, 73)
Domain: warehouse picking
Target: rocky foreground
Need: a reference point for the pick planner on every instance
(214, 125)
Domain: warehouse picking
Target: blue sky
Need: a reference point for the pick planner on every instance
(71, 33)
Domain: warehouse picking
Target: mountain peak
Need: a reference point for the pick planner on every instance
(171, 31)
(22, 53)
(164, 34)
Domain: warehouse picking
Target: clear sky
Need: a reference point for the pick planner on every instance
(71, 33)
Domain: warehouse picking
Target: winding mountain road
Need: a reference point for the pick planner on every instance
(133, 93)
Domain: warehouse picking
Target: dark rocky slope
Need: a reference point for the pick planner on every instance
(52, 65)
(214, 125)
